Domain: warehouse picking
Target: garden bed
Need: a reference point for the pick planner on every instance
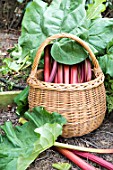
(100, 138)
(10, 81)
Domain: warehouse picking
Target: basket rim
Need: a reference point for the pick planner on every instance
(34, 82)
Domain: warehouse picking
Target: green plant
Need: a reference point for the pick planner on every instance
(109, 93)
(41, 21)
(21, 101)
(109, 4)
(95, 8)
(75, 159)
(84, 24)
(88, 28)
(61, 166)
(20, 145)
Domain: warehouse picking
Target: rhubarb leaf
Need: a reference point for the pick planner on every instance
(106, 61)
(61, 166)
(100, 33)
(44, 117)
(21, 101)
(95, 9)
(68, 52)
(41, 21)
(21, 145)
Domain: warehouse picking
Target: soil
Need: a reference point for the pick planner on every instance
(100, 138)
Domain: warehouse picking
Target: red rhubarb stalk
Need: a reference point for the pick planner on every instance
(81, 73)
(95, 159)
(74, 74)
(55, 79)
(78, 161)
(53, 72)
(66, 74)
(60, 73)
(47, 61)
(88, 72)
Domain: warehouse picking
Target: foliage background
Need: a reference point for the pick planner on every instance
(11, 12)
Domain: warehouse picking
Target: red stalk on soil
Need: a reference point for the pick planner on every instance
(95, 159)
(75, 159)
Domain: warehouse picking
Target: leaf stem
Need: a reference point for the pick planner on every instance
(79, 148)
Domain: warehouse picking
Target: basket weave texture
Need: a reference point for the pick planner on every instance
(82, 104)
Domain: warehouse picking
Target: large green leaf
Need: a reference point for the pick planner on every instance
(67, 18)
(41, 21)
(110, 47)
(100, 33)
(44, 116)
(20, 145)
(106, 61)
(95, 9)
(68, 53)
(21, 101)
(32, 31)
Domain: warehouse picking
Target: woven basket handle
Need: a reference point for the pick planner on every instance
(56, 36)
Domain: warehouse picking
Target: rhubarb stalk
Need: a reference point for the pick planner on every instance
(79, 148)
(78, 161)
(47, 61)
(60, 73)
(53, 72)
(74, 74)
(81, 73)
(66, 74)
(88, 72)
(55, 79)
(95, 159)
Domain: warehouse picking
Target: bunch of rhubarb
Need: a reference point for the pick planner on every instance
(61, 73)
(76, 153)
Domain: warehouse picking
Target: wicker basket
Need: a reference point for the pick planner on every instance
(82, 104)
